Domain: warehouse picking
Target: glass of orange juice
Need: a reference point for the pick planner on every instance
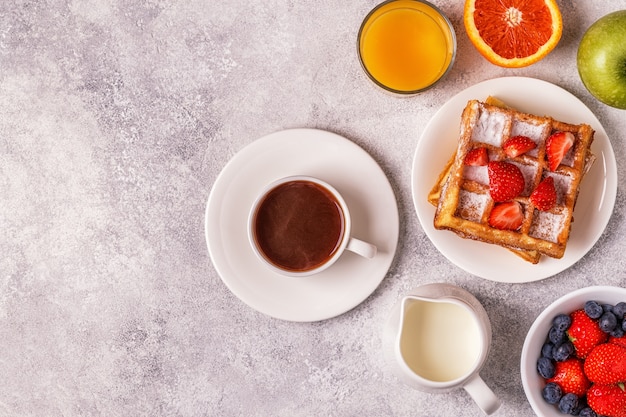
(406, 46)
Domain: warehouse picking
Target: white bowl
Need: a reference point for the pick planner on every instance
(536, 337)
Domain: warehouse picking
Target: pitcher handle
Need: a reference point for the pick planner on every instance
(482, 395)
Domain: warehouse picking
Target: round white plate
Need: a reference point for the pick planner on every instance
(593, 208)
(331, 158)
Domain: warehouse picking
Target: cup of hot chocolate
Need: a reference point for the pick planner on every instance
(301, 225)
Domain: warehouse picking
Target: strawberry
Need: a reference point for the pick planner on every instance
(544, 196)
(618, 340)
(606, 364)
(557, 146)
(607, 400)
(518, 145)
(506, 216)
(506, 181)
(569, 375)
(584, 333)
(476, 157)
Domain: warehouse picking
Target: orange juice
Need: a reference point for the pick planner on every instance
(406, 46)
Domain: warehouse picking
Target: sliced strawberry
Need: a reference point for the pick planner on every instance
(584, 333)
(518, 145)
(506, 181)
(477, 157)
(606, 364)
(607, 400)
(506, 216)
(569, 375)
(544, 196)
(556, 147)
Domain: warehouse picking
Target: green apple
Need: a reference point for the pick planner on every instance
(601, 59)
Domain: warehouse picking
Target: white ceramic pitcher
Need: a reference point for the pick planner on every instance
(437, 339)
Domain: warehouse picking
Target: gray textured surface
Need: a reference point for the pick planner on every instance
(116, 118)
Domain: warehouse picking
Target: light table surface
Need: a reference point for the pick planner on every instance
(116, 118)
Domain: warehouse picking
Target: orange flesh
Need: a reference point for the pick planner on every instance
(527, 20)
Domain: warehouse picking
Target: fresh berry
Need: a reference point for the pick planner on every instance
(545, 367)
(608, 322)
(608, 400)
(562, 321)
(506, 181)
(568, 403)
(617, 333)
(587, 412)
(518, 145)
(621, 341)
(506, 216)
(476, 157)
(593, 309)
(570, 377)
(584, 333)
(556, 336)
(563, 351)
(546, 350)
(619, 310)
(557, 146)
(551, 393)
(606, 364)
(544, 196)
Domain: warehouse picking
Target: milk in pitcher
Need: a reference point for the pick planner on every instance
(441, 341)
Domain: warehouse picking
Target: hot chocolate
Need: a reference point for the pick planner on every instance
(299, 225)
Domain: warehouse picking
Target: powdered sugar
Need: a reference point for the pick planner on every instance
(476, 173)
(489, 128)
(472, 206)
(546, 225)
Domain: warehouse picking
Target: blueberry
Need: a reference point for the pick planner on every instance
(568, 403)
(593, 309)
(617, 332)
(551, 393)
(624, 325)
(562, 322)
(607, 308)
(619, 310)
(563, 351)
(546, 350)
(545, 367)
(581, 404)
(608, 322)
(556, 336)
(587, 412)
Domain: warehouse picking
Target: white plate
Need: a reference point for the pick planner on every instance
(595, 202)
(334, 159)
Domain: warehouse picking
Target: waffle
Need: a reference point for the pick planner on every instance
(462, 194)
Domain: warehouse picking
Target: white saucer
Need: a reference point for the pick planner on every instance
(334, 159)
(595, 202)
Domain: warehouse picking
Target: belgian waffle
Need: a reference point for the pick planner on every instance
(462, 192)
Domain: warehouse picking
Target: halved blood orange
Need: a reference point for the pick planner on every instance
(513, 33)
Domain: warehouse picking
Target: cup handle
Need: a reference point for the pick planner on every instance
(367, 250)
(482, 395)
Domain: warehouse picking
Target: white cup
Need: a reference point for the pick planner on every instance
(301, 225)
(437, 339)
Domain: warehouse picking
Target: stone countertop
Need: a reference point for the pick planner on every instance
(116, 117)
